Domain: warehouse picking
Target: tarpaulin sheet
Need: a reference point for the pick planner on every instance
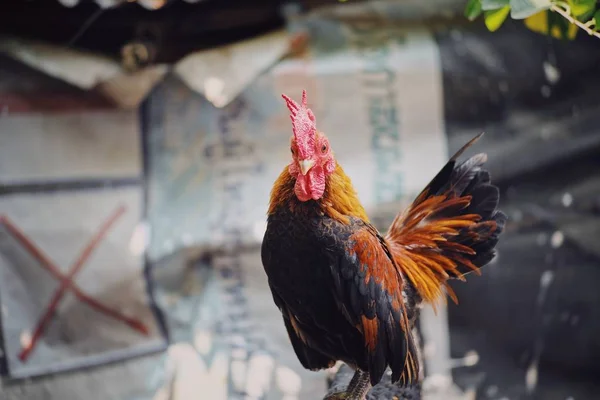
(72, 282)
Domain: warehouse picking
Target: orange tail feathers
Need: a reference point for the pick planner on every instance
(451, 228)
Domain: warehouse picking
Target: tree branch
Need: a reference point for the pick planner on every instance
(581, 25)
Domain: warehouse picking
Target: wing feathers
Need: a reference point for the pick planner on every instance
(369, 294)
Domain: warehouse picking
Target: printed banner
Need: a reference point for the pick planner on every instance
(376, 94)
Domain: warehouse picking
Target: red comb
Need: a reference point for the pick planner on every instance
(303, 125)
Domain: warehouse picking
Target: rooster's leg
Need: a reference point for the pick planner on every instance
(362, 385)
(354, 381)
(357, 388)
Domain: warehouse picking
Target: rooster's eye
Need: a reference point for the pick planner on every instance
(324, 148)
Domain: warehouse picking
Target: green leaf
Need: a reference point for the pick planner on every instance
(558, 21)
(581, 8)
(597, 19)
(473, 10)
(493, 4)
(495, 18)
(560, 27)
(520, 9)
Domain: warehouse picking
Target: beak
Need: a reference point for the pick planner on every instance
(306, 165)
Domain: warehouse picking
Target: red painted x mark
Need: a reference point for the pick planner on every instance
(66, 281)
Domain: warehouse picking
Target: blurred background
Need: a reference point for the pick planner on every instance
(139, 141)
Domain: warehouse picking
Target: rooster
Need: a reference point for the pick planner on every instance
(348, 292)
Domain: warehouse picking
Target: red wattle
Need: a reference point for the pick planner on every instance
(311, 185)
